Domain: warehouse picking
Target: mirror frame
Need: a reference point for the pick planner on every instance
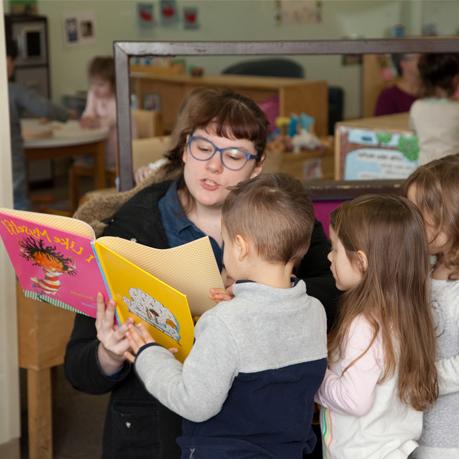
(124, 50)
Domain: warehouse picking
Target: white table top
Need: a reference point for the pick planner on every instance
(55, 134)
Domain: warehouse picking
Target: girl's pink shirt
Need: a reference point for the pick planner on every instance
(353, 393)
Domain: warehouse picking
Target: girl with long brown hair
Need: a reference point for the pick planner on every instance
(382, 371)
(434, 189)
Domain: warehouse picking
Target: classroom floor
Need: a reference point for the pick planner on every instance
(77, 419)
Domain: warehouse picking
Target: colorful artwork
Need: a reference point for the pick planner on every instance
(190, 17)
(169, 14)
(53, 263)
(153, 312)
(370, 154)
(145, 14)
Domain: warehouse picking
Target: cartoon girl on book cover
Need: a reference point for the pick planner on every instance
(53, 263)
(153, 312)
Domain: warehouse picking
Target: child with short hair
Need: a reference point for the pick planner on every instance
(435, 117)
(247, 387)
(100, 108)
(434, 189)
(382, 371)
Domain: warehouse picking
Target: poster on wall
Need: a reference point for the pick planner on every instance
(79, 28)
(145, 15)
(372, 154)
(298, 12)
(168, 12)
(190, 18)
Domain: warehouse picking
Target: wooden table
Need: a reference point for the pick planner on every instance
(66, 140)
(43, 333)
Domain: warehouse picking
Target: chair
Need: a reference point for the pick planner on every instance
(275, 67)
(145, 124)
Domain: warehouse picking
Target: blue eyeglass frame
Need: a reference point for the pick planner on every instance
(248, 156)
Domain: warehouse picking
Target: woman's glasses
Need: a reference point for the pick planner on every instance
(232, 158)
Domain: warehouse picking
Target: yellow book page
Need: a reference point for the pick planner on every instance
(140, 295)
(72, 225)
(190, 268)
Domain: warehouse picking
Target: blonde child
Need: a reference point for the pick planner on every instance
(247, 387)
(100, 108)
(435, 117)
(381, 371)
(434, 189)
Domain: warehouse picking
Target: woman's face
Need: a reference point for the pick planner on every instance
(208, 181)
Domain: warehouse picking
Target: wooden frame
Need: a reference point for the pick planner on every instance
(123, 50)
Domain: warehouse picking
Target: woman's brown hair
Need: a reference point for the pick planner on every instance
(437, 197)
(393, 294)
(232, 115)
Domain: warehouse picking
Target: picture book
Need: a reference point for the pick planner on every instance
(58, 260)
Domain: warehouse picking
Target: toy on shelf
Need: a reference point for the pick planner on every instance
(294, 134)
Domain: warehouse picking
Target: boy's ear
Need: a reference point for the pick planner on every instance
(242, 247)
(362, 260)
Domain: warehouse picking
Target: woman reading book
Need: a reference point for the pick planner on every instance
(219, 140)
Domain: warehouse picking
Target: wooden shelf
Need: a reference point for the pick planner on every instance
(295, 95)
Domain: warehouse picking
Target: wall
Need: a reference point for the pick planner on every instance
(9, 373)
(240, 20)
(220, 20)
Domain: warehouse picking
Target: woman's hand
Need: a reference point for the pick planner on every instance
(142, 173)
(113, 341)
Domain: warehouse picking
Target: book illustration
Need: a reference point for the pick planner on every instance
(153, 312)
(53, 263)
(53, 259)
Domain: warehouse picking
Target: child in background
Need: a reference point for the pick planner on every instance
(435, 117)
(381, 353)
(434, 189)
(100, 108)
(22, 99)
(247, 387)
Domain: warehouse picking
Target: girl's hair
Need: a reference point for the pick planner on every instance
(438, 71)
(437, 197)
(102, 67)
(233, 116)
(393, 294)
(275, 212)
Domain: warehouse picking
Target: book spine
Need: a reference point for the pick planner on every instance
(118, 319)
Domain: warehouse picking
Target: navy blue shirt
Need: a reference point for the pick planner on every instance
(178, 228)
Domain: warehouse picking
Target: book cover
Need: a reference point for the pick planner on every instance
(53, 259)
(162, 309)
(58, 260)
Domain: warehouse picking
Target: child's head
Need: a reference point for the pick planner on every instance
(439, 74)
(434, 189)
(379, 256)
(273, 214)
(101, 74)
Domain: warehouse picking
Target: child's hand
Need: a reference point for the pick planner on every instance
(221, 294)
(137, 336)
(89, 122)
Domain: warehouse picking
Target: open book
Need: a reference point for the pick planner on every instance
(59, 261)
